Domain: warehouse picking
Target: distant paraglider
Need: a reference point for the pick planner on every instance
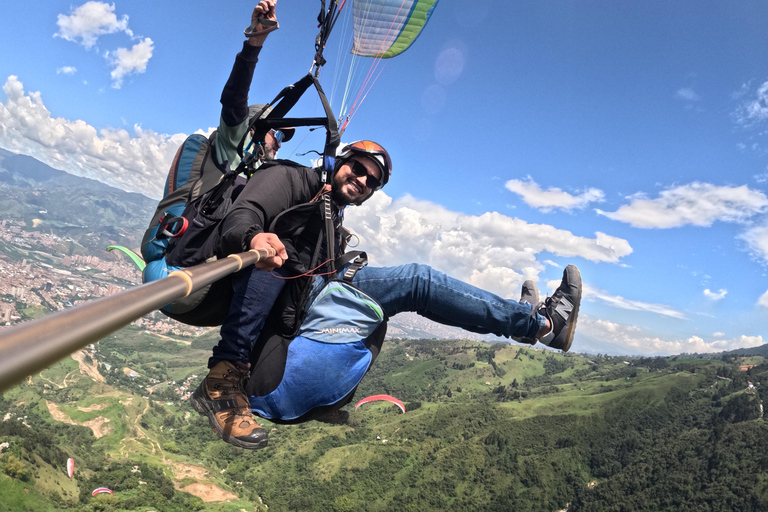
(386, 398)
(70, 467)
(101, 490)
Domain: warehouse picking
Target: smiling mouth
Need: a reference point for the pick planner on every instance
(356, 187)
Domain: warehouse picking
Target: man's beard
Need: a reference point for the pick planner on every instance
(268, 153)
(338, 197)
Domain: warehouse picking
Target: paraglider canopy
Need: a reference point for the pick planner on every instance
(381, 29)
(386, 398)
(70, 467)
(101, 490)
(385, 28)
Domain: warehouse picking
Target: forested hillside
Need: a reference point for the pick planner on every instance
(488, 427)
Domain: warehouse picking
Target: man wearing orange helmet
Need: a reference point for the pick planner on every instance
(274, 193)
(360, 169)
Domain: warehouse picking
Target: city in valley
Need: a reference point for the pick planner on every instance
(36, 278)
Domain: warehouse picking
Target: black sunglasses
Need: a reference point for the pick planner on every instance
(371, 181)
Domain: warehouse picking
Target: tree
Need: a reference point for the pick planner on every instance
(15, 468)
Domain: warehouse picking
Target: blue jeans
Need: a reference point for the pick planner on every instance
(413, 287)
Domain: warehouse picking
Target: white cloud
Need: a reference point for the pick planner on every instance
(754, 110)
(698, 204)
(590, 293)
(551, 198)
(492, 250)
(688, 94)
(631, 339)
(89, 21)
(137, 162)
(66, 70)
(742, 91)
(757, 239)
(718, 295)
(718, 335)
(130, 61)
(763, 300)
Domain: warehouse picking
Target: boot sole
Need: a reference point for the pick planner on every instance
(200, 404)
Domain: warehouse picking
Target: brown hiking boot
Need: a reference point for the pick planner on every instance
(222, 398)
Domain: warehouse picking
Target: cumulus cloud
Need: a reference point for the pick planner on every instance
(757, 239)
(633, 339)
(718, 295)
(126, 61)
(136, 162)
(552, 198)
(86, 23)
(66, 70)
(763, 300)
(754, 110)
(698, 204)
(688, 94)
(491, 251)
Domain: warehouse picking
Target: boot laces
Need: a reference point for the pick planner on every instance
(240, 412)
(234, 380)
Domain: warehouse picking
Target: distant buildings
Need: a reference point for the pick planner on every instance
(40, 280)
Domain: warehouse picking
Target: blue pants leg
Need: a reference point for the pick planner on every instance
(434, 295)
(255, 292)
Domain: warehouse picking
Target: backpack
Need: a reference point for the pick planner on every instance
(193, 173)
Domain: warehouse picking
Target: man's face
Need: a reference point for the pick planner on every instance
(271, 145)
(350, 188)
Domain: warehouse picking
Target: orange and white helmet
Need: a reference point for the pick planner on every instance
(369, 149)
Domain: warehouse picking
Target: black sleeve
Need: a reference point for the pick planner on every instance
(268, 192)
(234, 97)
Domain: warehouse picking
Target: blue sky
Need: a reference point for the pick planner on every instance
(628, 138)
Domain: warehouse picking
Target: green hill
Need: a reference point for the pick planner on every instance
(488, 427)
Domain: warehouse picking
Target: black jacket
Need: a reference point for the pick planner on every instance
(276, 187)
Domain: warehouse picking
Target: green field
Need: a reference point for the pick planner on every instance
(488, 427)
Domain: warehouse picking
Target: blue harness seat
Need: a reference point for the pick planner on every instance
(324, 363)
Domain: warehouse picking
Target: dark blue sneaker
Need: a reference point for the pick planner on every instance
(562, 310)
(529, 294)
